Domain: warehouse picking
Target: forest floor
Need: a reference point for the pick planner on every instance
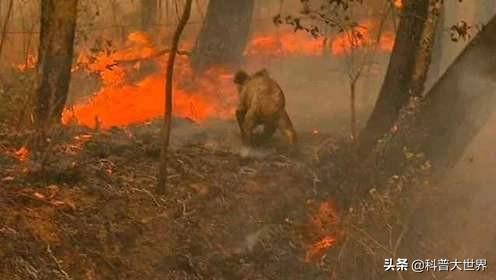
(89, 211)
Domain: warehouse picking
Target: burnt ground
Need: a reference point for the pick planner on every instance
(90, 210)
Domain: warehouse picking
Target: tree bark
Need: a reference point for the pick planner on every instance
(5, 25)
(148, 14)
(58, 25)
(394, 93)
(424, 51)
(162, 176)
(224, 34)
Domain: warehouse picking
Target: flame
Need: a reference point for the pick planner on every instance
(119, 103)
(324, 227)
(30, 63)
(398, 3)
(289, 43)
(22, 154)
(299, 43)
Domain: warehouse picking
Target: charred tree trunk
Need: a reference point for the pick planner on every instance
(162, 176)
(58, 25)
(395, 93)
(224, 34)
(148, 14)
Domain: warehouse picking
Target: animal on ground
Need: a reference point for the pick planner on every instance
(261, 103)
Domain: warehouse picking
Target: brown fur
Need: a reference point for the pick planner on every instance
(261, 102)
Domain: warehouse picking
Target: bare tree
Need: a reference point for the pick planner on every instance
(162, 176)
(58, 25)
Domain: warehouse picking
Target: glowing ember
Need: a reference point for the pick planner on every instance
(77, 144)
(315, 132)
(318, 250)
(29, 64)
(22, 154)
(324, 227)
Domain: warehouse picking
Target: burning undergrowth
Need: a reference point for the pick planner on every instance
(120, 103)
(133, 80)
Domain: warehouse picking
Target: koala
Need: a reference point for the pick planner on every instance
(261, 102)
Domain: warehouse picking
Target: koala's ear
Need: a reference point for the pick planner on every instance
(240, 77)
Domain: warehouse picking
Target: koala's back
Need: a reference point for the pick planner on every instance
(263, 95)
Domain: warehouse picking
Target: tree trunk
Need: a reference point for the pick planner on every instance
(5, 24)
(224, 34)
(162, 176)
(58, 25)
(424, 51)
(437, 52)
(394, 93)
(148, 14)
(455, 109)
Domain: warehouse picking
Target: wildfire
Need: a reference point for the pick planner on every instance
(123, 101)
(323, 226)
(299, 43)
(119, 103)
(398, 3)
(289, 43)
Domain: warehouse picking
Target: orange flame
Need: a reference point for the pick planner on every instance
(398, 3)
(22, 154)
(324, 227)
(300, 43)
(289, 43)
(119, 103)
(30, 63)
